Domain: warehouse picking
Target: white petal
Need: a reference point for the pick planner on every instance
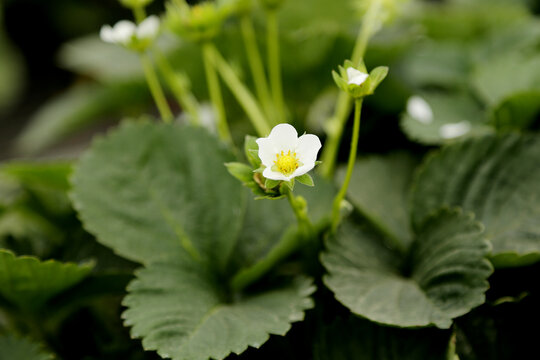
(450, 131)
(303, 169)
(267, 152)
(356, 77)
(107, 34)
(148, 28)
(274, 175)
(419, 110)
(284, 137)
(307, 149)
(123, 31)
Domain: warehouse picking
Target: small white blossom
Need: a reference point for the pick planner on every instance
(450, 131)
(356, 77)
(127, 33)
(285, 155)
(419, 109)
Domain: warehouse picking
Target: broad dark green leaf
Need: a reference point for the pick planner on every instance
(14, 348)
(358, 339)
(378, 189)
(29, 283)
(507, 74)
(155, 192)
(180, 310)
(445, 64)
(25, 231)
(516, 112)
(270, 229)
(453, 116)
(497, 178)
(46, 182)
(443, 275)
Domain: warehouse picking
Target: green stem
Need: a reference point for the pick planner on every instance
(241, 92)
(350, 166)
(183, 96)
(257, 68)
(155, 89)
(299, 207)
(214, 90)
(289, 243)
(139, 13)
(336, 123)
(292, 240)
(274, 63)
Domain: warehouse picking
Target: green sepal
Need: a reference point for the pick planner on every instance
(305, 179)
(376, 76)
(251, 149)
(241, 171)
(270, 184)
(340, 81)
(289, 184)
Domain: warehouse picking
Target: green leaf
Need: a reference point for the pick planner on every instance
(378, 189)
(51, 175)
(442, 277)
(251, 149)
(29, 283)
(444, 64)
(305, 179)
(46, 181)
(155, 192)
(270, 229)
(26, 231)
(241, 171)
(497, 178)
(453, 116)
(180, 311)
(359, 339)
(507, 74)
(95, 58)
(517, 112)
(14, 348)
(75, 110)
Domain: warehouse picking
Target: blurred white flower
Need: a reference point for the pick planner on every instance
(128, 34)
(419, 109)
(450, 131)
(285, 155)
(356, 77)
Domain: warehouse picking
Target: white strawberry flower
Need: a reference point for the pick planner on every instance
(128, 34)
(356, 77)
(285, 155)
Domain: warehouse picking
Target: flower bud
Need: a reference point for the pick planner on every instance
(134, 4)
(199, 23)
(356, 81)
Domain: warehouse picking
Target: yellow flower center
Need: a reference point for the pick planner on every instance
(286, 163)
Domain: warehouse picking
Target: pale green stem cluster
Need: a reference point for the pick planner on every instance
(156, 90)
(151, 77)
(274, 64)
(214, 90)
(336, 208)
(183, 96)
(292, 240)
(336, 123)
(257, 68)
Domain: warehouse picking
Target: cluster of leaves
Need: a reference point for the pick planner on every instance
(448, 242)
